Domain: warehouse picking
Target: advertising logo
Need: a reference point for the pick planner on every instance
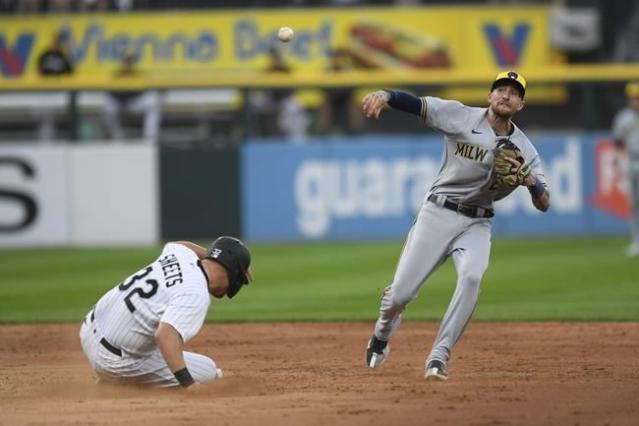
(14, 203)
(13, 59)
(251, 40)
(612, 189)
(564, 175)
(157, 45)
(507, 49)
(372, 188)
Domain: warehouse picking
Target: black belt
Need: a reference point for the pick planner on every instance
(104, 342)
(470, 211)
(109, 347)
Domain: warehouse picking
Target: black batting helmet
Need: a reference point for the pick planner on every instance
(231, 253)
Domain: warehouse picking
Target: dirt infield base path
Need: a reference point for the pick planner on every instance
(314, 374)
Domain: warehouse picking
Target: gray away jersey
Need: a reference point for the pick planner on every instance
(465, 173)
(173, 289)
(625, 127)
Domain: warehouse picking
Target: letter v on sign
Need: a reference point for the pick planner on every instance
(507, 50)
(13, 60)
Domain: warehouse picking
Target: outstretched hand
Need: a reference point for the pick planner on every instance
(374, 102)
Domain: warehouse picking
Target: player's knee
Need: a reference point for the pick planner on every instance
(208, 377)
(471, 279)
(399, 299)
(206, 370)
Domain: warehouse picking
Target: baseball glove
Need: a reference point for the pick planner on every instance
(505, 174)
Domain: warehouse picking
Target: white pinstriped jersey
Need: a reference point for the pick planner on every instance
(465, 173)
(173, 289)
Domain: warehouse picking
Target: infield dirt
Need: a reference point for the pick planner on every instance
(314, 374)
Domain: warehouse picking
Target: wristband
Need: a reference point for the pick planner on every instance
(391, 94)
(404, 102)
(537, 190)
(184, 377)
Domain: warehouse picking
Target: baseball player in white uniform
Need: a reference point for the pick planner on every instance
(625, 130)
(455, 217)
(136, 332)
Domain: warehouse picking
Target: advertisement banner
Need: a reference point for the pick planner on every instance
(34, 196)
(239, 43)
(114, 194)
(371, 188)
(78, 195)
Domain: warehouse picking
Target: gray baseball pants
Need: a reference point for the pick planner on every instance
(437, 234)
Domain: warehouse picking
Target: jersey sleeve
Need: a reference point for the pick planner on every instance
(533, 158)
(186, 313)
(448, 117)
(406, 102)
(538, 171)
(168, 248)
(180, 250)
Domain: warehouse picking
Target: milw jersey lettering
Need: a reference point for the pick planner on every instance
(471, 152)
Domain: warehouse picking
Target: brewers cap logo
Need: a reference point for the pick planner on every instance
(512, 78)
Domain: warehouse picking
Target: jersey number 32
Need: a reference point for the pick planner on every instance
(135, 278)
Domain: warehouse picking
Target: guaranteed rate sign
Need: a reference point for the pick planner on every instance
(372, 187)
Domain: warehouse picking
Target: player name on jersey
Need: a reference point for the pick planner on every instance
(171, 270)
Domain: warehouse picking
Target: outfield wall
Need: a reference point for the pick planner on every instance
(371, 187)
(78, 195)
(362, 188)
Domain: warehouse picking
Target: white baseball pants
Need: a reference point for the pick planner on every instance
(150, 369)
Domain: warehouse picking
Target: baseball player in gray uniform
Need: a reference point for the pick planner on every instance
(455, 217)
(625, 130)
(136, 332)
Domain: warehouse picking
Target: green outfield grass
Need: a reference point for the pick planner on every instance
(551, 279)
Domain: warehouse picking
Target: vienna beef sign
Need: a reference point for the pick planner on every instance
(237, 42)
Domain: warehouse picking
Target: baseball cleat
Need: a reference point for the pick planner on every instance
(376, 352)
(436, 371)
(219, 373)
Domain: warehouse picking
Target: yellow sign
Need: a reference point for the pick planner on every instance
(180, 46)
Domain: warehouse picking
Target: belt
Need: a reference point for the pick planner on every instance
(109, 347)
(470, 211)
(104, 342)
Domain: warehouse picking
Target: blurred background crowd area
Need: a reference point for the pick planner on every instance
(180, 101)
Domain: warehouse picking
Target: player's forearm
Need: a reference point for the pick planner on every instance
(405, 102)
(199, 250)
(540, 196)
(171, 346)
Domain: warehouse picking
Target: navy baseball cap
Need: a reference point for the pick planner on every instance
(512, 78)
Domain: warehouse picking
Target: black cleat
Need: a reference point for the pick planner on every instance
(436, 371)
(376, 352)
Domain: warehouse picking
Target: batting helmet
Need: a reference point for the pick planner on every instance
(231, 253)
(510, 77)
